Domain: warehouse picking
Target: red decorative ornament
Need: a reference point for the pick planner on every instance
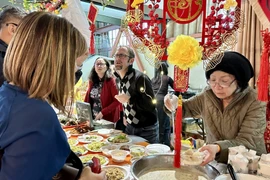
(264, 68)
(184, 12)
(181, 78)
(92, 14)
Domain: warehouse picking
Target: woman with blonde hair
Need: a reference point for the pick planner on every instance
(39, 68)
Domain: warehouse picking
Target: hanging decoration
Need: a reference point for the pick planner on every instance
(53, 6)
(184, 12)
(265, 5)
(184, 52)
(178, 133)
(146, 32)
(92, 15)
(181, 79)
(219, 30)
(106, 3)
(264, 68)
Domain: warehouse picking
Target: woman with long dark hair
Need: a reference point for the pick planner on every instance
(101, 91)
(160, 84)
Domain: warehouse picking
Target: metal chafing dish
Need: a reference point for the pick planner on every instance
(165, 161)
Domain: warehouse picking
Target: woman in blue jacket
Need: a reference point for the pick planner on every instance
(39, 68)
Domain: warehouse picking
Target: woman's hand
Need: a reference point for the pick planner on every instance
(171, 102)
(87, 174)
(99, 116)
(210, 150)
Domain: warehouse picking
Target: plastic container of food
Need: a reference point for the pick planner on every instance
(119, 155)
(137, 151)
(106, 150)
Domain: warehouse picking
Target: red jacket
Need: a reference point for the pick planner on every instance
(110, 105)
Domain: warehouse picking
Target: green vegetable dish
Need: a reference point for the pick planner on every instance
(121, 138)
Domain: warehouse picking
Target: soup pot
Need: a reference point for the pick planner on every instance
(165, 162)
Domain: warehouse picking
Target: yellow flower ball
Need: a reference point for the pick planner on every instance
(184, 52)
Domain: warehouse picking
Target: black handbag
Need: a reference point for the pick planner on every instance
(70, 171)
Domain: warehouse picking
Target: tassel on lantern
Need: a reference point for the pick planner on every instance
(178, 134)
(92, 39)
(264, 68)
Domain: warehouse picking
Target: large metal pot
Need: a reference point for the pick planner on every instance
(165, 161)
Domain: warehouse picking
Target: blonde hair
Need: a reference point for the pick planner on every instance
(41, 57)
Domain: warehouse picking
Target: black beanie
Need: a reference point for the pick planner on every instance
(235, 64)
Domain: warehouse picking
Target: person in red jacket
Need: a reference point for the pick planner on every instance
(101, 91)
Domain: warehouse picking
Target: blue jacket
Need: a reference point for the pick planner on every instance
(35, 146)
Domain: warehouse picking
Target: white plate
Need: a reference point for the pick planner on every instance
(95, 146)
(86, 158)
(240, 177)
(162, 147)
(104, 131)
(89, 138)
(125, 172)
(72, 142)
(111, 137)
(79, 149)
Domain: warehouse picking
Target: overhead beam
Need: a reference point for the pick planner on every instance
(108, 19)
(106, 29)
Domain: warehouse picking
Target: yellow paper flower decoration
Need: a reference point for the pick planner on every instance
(184, 52)
(229, 3)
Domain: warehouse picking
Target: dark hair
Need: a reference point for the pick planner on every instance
(161, 70)
(93, 77)
(130, 51)
(9, 12)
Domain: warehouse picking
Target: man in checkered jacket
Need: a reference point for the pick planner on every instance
(136, 95)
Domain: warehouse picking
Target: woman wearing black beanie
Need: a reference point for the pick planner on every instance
(231, 113)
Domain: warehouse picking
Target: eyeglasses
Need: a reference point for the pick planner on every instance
(100, 64)
(223, 84)
(7, 24)
(121, 56)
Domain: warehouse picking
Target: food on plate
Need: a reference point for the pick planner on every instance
(124, 147)
(120, 138)
(137, 151)
(119, 155)
(190, 157)
(72, 142)
(86, 158)
(114, 173)
(89, 138)
(80, 130)
(95, 146)
(78, 150)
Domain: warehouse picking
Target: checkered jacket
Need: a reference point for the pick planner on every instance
(140, 111)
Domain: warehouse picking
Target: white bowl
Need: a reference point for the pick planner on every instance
(106, 150)
(161, 147)
(123, 170)
(119, 155)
